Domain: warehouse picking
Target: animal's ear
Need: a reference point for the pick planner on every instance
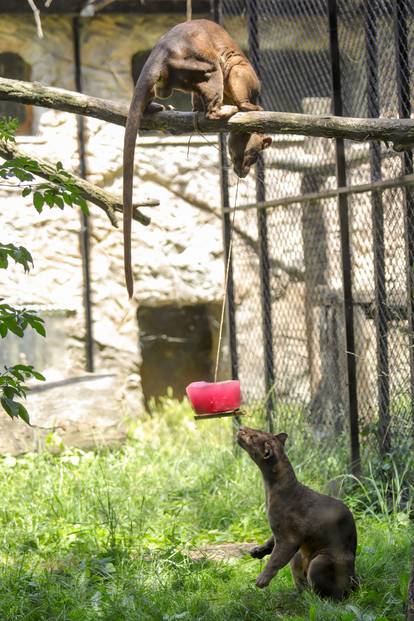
(282, 437)
(266, 142)
(267, 450)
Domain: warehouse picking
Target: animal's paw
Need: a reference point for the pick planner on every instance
(262, 581)
(225, 112)
(169, 107)
(249, 107)
(257, 552)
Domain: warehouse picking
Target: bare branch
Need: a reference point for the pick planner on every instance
(106, 201)
(93, 6)
(400, 132)
(36, 14)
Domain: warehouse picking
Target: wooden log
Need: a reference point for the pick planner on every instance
(106, 201)
(399, 132)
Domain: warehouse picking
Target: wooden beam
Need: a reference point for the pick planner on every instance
(399, 132)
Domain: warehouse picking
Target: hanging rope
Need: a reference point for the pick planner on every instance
(226, 280)
(189, 10)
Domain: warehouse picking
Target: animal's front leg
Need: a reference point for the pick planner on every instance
(264, 549)
(211, 93)
(281, 555)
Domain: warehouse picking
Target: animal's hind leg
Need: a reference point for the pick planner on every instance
(329, 578)
(298, 571)
(243, 91)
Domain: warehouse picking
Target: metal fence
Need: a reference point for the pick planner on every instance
(321, 311)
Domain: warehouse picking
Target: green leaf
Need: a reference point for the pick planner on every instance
(26, 191)
(59, 201)
(39, 327)
(82, 204)
(38, 376)
(3, 330)
(38, 201)
(11, 407)
(68, 198)
(49, 198)
(23, 413)
(14, 327)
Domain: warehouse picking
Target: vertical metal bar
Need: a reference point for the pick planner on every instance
(345, 243)
(216, 10)
(266, 299)
(84, 232)
(377, 216)
(404, 111)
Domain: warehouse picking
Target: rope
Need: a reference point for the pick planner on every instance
(226, 280)
(189, 10)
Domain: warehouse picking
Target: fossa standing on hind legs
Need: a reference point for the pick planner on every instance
(201, 58)
(315, 533)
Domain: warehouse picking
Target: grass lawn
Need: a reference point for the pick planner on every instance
(104, 535)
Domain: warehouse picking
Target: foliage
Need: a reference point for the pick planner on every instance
(18, 253)
(57, 192)
(12, 385)
(113, 531)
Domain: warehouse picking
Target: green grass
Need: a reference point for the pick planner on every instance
(104, 535)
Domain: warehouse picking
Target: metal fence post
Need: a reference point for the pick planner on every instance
(84, 233)
(404, 111)
(377, 216)
(266, 297)
(345, 243)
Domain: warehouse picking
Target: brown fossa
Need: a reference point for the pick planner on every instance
(201, 58)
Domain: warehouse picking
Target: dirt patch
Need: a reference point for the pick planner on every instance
(220, 551)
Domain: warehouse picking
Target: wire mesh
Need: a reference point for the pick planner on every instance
(301, 240)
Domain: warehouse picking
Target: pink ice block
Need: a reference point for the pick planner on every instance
(211, 397)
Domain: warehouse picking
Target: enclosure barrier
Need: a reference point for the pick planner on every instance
(307, 320)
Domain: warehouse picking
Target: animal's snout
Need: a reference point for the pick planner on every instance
(241, 170)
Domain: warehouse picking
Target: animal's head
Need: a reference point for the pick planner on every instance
(264, 448)
(244, 150)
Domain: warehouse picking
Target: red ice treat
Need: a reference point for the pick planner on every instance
(212, 397)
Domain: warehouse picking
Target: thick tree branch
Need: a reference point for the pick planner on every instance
(106, 201)
(399, 132)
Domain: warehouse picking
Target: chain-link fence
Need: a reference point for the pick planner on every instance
(321, 318)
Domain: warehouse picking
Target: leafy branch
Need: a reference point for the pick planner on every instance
(16, 321)
(59, 191)
(18, 253)
(12, 385)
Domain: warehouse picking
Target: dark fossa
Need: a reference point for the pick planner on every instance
(197, 57)
(314, 532)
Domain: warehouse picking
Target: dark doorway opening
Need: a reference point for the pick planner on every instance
(176, 348)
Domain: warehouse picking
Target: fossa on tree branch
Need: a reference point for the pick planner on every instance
(197, 57)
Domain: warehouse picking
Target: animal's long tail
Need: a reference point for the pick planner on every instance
(142, 93)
